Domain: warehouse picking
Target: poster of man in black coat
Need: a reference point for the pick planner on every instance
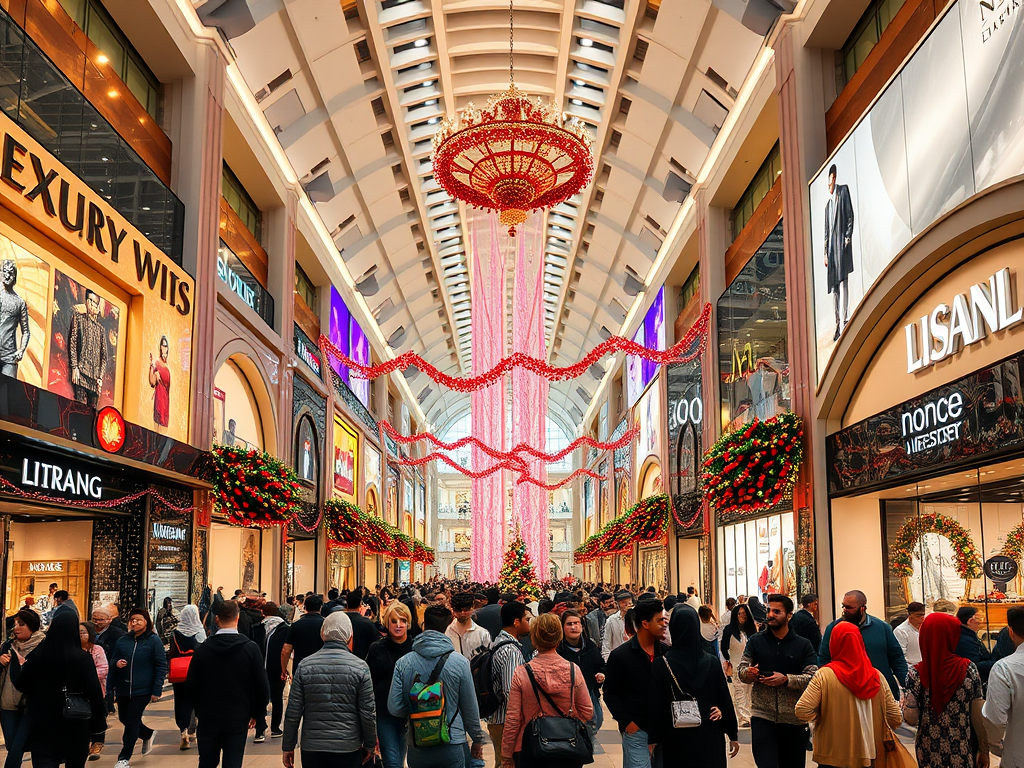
(839, 247)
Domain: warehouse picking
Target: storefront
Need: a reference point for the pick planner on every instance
(342, 570)
(652, 559)
(921, 374)
(685, 423)
(756, 554)
(302, 554)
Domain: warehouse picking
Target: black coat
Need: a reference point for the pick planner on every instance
(228, 682)
(803, 624)
(489, 617)
(381, 659)
(839, 237)
(364, 633)
(970, 647)
(109, 638)
(272, 652)
(628, 680)
(43, 681)
(589, 660)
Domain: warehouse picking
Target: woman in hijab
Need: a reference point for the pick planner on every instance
(686, 671)
(185, 638)
(944, 699)
(847, 700)
(758, 612)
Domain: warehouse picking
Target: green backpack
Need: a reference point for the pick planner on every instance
(427, 702)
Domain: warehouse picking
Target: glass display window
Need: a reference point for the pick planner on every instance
(758, 557)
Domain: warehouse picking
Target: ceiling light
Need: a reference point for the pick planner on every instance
(112, 93)
(421, 42)
(428, 83)
(576, 102)
(578, 83)
(586, 42)
(102, 59)
(432, 121)
(430, 102)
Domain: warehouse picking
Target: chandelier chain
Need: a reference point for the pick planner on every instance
(511, 38)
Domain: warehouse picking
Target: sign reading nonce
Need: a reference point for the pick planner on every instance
(933, 423)
(987, 307)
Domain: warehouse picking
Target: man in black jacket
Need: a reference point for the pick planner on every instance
(364, 633)
(227, 681)
(107, 635)
(303, 635)
(334, 600)
(489, 617)
(627, 682)
(805, 621)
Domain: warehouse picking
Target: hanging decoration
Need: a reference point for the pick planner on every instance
(347, 525)
(750, 469)
(253, 488)
(6, 486)
(518, 574)
(643, 523)
(966, 560)
(681, 352)
(514, 156)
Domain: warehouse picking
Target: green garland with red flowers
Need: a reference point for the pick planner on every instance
(347, 525)
(644, 522)
(752, 468)
(967, 562)
(1014, 546)
(253, 488)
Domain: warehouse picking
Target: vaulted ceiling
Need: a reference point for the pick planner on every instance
(354, 91)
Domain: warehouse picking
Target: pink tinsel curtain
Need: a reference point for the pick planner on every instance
(488, 404)
(529, 391)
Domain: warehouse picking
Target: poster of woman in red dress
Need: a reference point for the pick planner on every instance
(160, 381)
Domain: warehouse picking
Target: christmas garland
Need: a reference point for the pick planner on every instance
(253, 488)
(901, 556)
(752, 468)
(644, 522)
(347, 525)
(1014, 546)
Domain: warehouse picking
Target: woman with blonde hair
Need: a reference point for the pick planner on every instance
(381, 658)
(540, 687)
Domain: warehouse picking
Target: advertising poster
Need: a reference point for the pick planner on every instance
(958, 98)
(407, 507)
(372, 470)
(589, 527)
(651, 334)
(346, 446)
(345, 333)
(647, 416)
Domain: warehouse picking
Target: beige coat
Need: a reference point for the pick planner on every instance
(848, 731)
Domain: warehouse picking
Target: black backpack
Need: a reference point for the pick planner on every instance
(487, 699)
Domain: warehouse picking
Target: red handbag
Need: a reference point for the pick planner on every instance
(179, 664)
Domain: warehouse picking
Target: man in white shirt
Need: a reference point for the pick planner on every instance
(691, 598)
(909, 633)
(615, 627)
(466, 635)
(1004, 708)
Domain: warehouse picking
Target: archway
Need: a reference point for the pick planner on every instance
(651, 482)
(901, 555)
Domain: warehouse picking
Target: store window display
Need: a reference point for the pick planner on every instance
(758, 557)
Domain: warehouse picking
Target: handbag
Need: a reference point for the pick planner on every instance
(179, 664)
(561, 738)
(76, 706)
(895, 754)
(685, 712)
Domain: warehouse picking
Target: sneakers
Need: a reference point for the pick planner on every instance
(260, 738)
(147, 744)
(276, 734)
(94, 752)
(184, 741)
(122, 764)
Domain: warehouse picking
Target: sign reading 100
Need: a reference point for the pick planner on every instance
(685, 411)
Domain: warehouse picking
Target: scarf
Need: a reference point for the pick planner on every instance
(189, 624)
(271, 623)
(687, 651)
(850, 661)
(25, 647)
(941, 670)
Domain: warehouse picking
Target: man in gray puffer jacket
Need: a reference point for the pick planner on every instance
(332, 695)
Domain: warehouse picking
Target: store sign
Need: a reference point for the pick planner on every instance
(168, 532)
(986, 308)
(110, 429)
(1001, 569)
(685, 419)
(307, 351)
(975, 418)
(53, 192)
(241, 282)
(39, 476)
(46, 567)
(995, 15)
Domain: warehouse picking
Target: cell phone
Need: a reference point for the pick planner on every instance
(765, 673)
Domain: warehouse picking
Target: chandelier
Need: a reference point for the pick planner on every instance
(514, 155)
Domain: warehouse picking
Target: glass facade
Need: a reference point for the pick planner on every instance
(753, 354)
(758, 557)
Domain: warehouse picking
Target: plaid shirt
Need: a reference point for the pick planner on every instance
(503, 667)
(87, 349)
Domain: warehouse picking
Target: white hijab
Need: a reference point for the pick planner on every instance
(189, 624)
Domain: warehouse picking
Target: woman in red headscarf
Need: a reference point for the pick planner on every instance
(944, 698)
(847, 700)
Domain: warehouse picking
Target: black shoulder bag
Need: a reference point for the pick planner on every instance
(563, 738)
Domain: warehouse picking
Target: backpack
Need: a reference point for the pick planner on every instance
(487, 699)
(427, 703)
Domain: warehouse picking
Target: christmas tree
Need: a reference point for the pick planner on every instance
(518, 574)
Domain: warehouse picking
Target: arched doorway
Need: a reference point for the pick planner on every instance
(651, 483)
(461, 569)
(300, 557)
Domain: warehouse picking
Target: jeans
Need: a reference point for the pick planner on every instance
(213, 741)
(391, 737)
(330, 759)
(15, 724)
(778, 745)
(448, 756)
(129, 712)
(595, 724)
(184, 713)
(635, 753)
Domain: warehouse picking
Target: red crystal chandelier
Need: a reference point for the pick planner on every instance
(514, 156)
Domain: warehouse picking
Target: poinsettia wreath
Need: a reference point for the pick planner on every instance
(644, 522)
(752, 468)
(1014, 546)
(965, 555)
(254, 489)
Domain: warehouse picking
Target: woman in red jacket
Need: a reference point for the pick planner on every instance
(553, 675)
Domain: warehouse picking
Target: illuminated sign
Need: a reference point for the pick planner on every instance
(52, 477)
(110, 429)
(933, 423)
(46, 567)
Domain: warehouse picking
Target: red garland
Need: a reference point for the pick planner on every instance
(555, 486)
(9, 487)
(674, 354)
(511, 466)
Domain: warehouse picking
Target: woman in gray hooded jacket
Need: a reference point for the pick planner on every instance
(332, 696)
